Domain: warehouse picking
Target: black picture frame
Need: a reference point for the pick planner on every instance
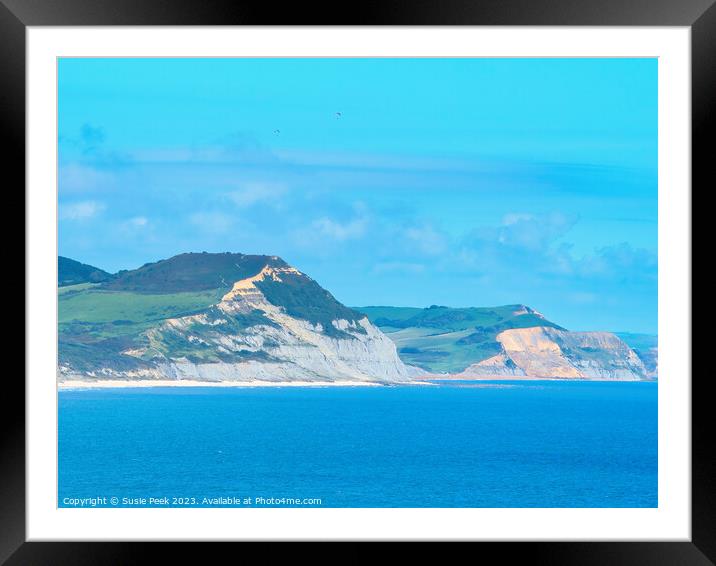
(16, 15)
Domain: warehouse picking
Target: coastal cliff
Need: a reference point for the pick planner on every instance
(277, 324)
(241, 318)
(543, 352)
(511, 342)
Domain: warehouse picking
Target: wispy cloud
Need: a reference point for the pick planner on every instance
(75, 177)
(341, 231)
(231, 150)
(137, 228)
(536, 247)
(138, 222)
(427, 239)
(620, 262)
(399, 267)
(80, 210)
(533, 232)
(212, 222)
(253, 193)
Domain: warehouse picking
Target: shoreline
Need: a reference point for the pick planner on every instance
(73, 384)
(146, 383)
(530, 378)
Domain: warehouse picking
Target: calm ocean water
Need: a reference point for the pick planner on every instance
(536, 444)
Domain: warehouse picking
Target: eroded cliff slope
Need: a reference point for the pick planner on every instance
(274, 324)
(544, 352)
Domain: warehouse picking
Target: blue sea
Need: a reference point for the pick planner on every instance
(486, 444)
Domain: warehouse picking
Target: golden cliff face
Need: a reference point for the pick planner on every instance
(535, 351)
(544, 352)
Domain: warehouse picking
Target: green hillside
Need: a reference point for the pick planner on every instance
(97, 321)
(71, 272)
(95, 324)
(191, 272)
(120, 311)
(301, 297)
(444, 339)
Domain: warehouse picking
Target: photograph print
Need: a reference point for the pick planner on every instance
(357, 282)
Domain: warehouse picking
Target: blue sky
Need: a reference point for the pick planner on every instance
(460, 182)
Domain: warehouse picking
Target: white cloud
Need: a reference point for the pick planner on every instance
(515, 217)
(399, 267)
(80, 210)
(341, 231)
(531, 246)
(213, 222)
(427, 239)
(136, 227)
(620, 261)
(530, 231)
(74, 177)
(253, 193)
(138, 221)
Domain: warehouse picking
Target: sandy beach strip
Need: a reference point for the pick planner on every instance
(525, 378)
(122, 383)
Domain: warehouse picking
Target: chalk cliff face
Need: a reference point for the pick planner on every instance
(542, 352)
(499, 366)
(286, 348)
(276, 325)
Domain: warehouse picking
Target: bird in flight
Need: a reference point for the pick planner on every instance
(338, 115)
(277, 132)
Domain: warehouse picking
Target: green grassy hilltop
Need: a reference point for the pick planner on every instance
(71, 272)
